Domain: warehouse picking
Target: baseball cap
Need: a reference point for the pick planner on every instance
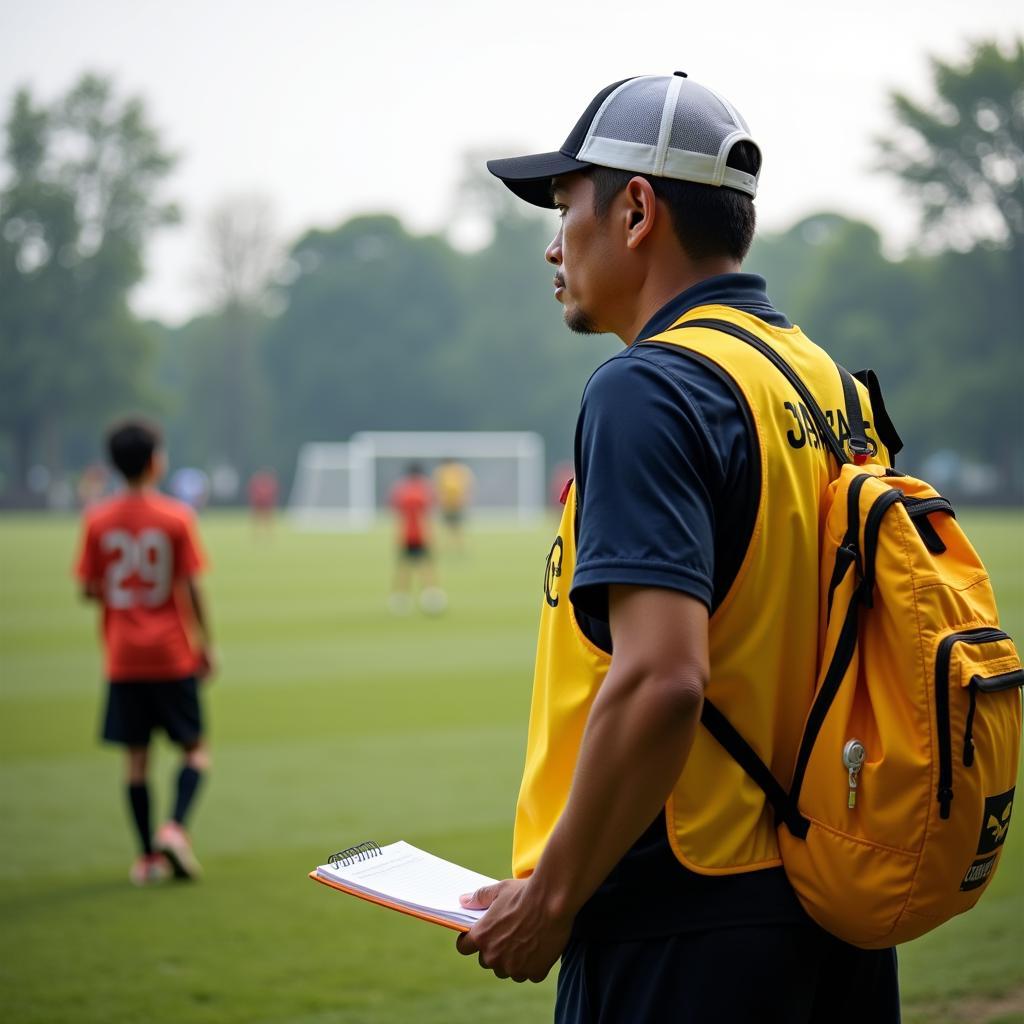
(668, 126)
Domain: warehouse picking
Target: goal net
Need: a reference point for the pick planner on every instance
(347, 485)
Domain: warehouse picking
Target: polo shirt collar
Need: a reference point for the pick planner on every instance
(747, 292)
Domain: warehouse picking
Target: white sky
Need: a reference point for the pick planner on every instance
(332, 108)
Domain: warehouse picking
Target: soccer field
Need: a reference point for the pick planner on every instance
(332, 722)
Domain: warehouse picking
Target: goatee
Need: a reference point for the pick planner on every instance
(579, 323)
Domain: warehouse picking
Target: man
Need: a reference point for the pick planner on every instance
(262, 492)
(454, 483)
(686, 560)
(139, 559)
(412, 498)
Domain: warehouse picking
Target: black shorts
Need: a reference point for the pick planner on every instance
(771, 974)
(452, 516)
(135, 709)
(415, 552)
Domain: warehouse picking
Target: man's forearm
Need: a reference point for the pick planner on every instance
(637, 740)
(199, 613)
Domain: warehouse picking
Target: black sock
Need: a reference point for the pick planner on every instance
(188, 783)
(138, 800)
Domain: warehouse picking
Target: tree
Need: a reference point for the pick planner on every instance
(242, 252)
(77, 206)
(242, 255)
(961, 157)
(961, 154)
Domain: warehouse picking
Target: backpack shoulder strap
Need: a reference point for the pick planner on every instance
(861, 445)
(883, 423)
(825, 431)
(747, 758)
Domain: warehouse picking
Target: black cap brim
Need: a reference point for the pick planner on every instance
(529, 177)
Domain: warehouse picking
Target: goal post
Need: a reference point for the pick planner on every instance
(346, 485)
(329, 489)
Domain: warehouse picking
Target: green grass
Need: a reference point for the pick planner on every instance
(331, 722)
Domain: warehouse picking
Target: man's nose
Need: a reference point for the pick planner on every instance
(553, 253)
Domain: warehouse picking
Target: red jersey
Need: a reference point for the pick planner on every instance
(140, 548)
(412, 498)
(262, 490)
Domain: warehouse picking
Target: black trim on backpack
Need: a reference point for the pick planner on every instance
(883, 424)
(845, 646)
(993, 684)
(848, 553)
(919, 509)
(972, 690)
(943, 654)
(872, 526)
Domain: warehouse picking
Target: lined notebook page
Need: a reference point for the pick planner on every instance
(412, 877)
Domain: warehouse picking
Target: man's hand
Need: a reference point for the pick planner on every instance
(517, 938)
(207, 665)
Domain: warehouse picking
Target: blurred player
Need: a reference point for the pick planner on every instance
(139, 558)
(92, 484)
(412, 498)
(263, 498)
(454, 483)
(558, 484)
(190, 485)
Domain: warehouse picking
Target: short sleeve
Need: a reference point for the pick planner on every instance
(646, 475)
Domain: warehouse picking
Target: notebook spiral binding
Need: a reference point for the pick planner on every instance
(354, 854)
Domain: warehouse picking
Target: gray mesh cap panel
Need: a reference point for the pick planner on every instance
(701, 121)
(664, 125)
(633, 114)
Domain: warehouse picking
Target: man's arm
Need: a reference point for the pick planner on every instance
(636, 742)
(206, 662)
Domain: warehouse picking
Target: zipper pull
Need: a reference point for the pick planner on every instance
(853, 760)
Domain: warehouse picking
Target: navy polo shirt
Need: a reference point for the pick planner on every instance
(668, 485)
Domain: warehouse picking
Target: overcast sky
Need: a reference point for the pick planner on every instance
(332, 107)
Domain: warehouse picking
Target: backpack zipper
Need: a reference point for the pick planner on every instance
(846, 643)
(872, 526)
(982, 635)
(968, 739)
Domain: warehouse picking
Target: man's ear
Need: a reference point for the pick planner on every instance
(641, 210)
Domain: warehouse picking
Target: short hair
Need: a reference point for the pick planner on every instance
(414, 469)
(131, 444)
(709, 220)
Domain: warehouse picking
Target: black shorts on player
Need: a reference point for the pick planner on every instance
(415, 552)
(135, 709)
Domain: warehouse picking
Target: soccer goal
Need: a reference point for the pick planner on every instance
(346, 485)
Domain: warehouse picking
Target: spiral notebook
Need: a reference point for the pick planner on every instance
(403, 878)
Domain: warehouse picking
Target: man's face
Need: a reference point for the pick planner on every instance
(585, 258)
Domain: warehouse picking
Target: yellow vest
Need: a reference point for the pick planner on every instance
(763, 649)
(453, 481)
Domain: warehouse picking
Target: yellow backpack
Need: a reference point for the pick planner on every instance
(899, 803)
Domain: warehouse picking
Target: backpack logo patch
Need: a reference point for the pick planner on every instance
(995, 824)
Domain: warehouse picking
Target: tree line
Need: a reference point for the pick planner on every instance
(366, 326)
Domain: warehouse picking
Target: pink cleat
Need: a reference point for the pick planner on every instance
(173, 842)
(149, 869)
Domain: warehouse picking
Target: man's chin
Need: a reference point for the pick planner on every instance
(579, 323)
